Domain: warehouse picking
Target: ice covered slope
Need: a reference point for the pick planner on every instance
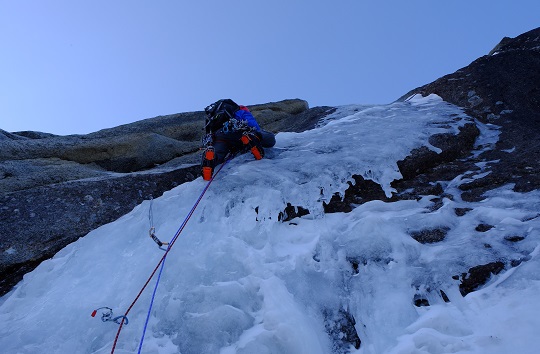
(239, 281)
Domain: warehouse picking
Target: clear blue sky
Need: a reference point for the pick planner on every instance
(79, 66)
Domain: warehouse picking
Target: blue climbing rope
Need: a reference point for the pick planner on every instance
(150, 307)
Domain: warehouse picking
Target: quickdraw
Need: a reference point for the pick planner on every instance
(107, 316)
(152, 231)
(156, 239)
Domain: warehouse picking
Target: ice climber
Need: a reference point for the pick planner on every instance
(231, 128)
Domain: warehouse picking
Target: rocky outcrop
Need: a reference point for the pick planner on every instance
(421, 170)
(56, 189)
(502, 88)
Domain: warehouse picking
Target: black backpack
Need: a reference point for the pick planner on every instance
(218, 113)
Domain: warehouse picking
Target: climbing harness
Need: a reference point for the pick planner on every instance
(152, 231)
(161, 264)
(107, 315)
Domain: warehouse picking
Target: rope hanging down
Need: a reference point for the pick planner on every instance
(161, 263)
